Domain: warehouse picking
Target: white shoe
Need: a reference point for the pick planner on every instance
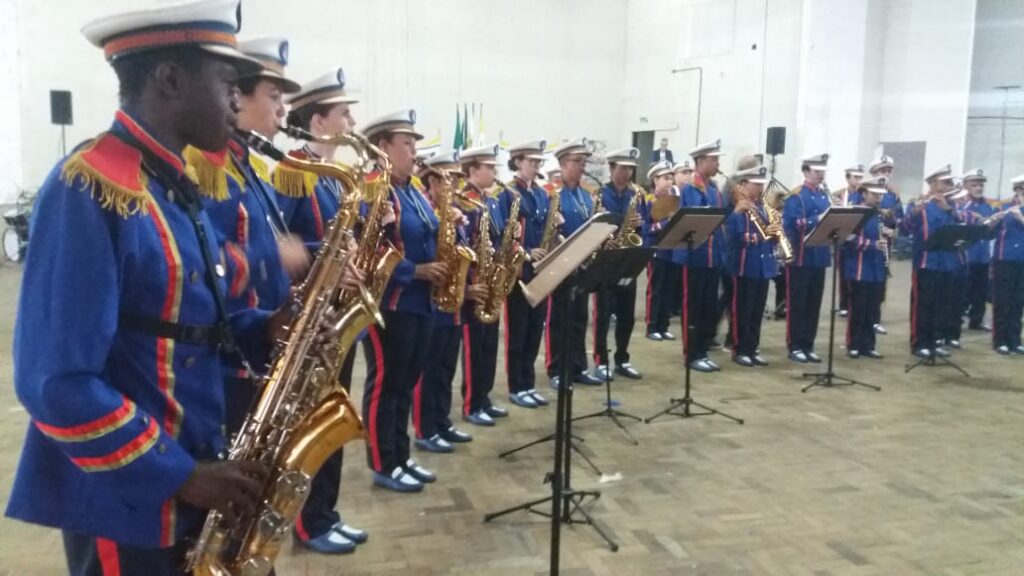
(879, 329)
(601, 372)
(1004, 350)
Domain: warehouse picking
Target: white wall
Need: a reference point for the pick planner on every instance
(542, 69)
(998, 45)
(10, 108)
(926, 68)
(742, 58)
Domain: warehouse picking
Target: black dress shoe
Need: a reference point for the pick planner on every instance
(496, 412)
(587, 380)
(456, 436)
(628, 371)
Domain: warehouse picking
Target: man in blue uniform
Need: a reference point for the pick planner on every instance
(524, 325)
(703, 267)
(616, 197)
(891, 210)
(805, 282)
(932, 299)
(866, 270)
(848, 196)
(577, 206)
(397, 352)
(751, 264)
(121, 323)
(977, 208)
(1008, 274)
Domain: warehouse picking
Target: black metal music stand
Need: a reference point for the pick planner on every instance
(834, 226)
(950, 238)
(557, 274)
(684, 229)
(609, 269)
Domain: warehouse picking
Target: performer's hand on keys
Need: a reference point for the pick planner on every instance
(433, 272)
(233, 488)
(476, 292)
(389, 214)
(538, 254)
(773, 229)
(743, 205)
(352, 277)
(294, 256)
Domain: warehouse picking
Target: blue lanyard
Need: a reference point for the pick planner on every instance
(428, 224)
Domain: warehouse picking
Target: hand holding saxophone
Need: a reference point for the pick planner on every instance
(433, 272)
(294, 256)
(231, 487)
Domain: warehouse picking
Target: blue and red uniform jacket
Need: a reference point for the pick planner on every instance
(861, 259)
(533, 213)
(496, 229)
(650, 232)
(119, 417)
(414, 232)
(1009, 237)
(710, 254)
(800, 215)
(975, 211)
(308, 202)
(922, 225)
(749, 254)
(577, 206)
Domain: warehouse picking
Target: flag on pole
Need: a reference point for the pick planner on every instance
(465, 127)
(459, 132)
(480, 127)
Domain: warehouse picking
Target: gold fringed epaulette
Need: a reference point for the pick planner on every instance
(418, 182)
(212, 170)
(112, 172)
(260, 167)
(796, 190)
(294, 183)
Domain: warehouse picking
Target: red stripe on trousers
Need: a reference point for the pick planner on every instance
(378, 383)
(467, 371)
(300, 530)
(110, 562)
(417, 407)
(735, 316)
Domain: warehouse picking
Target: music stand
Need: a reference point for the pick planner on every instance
(951, 238)
(559, 271)
(610, 268)
(834, 224)
(684, 229)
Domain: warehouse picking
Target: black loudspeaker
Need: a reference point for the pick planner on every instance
(776, 141)
(60, 107)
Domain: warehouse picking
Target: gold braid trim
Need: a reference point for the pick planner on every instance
(294, 183)
(110, 195)
(259, 166)
(212, 178)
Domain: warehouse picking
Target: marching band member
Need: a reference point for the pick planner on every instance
(682, 175)
(524, 325)
(891, 210)
(932, 300)
(432, 398)
(865, 265)
(309, 203)
(777, 198)
(576, 206)
(949, 332)
(729, 191)
(616, 197)
(701, 275)
(848, 196)
(979, 255)
(480, 339)
(663, 273)
(1008, 274)
(805, 276)
(752, 264)
(119, 333)
(397, 352)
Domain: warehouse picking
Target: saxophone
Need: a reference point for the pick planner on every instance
(500, 271)
(303, 415)
(626, 237)
(375, 256)
(448, 296)
(786, 253)
(550, 237)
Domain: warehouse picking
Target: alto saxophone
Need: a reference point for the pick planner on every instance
(786, 253)
(550, 237)
(449, 295)
(626, 236)
(501, 270)
(303, 415)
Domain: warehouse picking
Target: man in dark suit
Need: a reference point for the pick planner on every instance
(662, 154)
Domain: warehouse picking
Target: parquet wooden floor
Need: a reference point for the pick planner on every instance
(924, 477)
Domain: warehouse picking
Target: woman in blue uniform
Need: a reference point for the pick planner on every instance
(524, 325)
(397, 352)
(1008, 274)
(866, 271)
